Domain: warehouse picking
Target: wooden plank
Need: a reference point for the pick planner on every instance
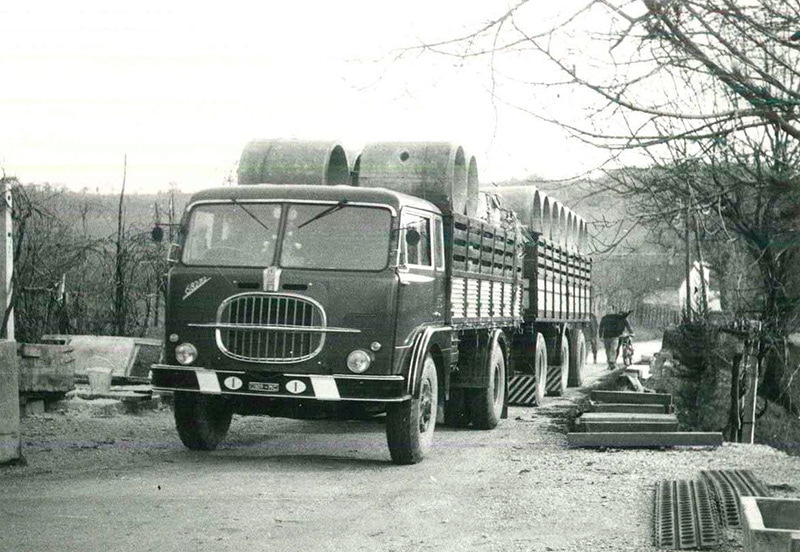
(647, 439)
(631, 397)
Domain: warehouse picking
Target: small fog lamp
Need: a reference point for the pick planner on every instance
(358, 361)
(185, 353)
(375, 346)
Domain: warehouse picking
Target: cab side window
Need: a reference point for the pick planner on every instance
(416, 240)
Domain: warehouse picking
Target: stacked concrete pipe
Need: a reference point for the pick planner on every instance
(434, 171)
(545, 215)
(294, 162)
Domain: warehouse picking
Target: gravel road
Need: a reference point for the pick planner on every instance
(126, 483)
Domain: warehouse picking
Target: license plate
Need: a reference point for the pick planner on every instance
(264, 387)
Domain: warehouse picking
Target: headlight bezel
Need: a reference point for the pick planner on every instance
(186, 354)
(359, 361)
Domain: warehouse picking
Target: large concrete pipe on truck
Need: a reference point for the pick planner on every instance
(293, 162)
(433, 171)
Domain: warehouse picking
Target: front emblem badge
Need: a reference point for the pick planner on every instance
(233, 383)
(271, 278)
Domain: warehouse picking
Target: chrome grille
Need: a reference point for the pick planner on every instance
(278, 328)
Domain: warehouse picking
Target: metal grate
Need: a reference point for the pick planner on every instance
(685, 516)
(728, 486)
(270, 328)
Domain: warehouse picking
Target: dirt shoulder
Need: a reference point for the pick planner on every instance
(126, 483)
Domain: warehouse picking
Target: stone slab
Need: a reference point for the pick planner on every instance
(626, 417)
(644, 440)
(45, 368)
(631, 397)
(121, 354)
(624, 407)
(629, 427)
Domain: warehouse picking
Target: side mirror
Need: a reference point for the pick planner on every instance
(412, 237)
(157, 234)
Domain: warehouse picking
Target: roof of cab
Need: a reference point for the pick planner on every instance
(291, 192)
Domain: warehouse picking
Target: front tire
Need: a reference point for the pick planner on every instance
(540, 369)
(202, 421)
(559, 370)
(410, 424)
(486, 405)
(577, 358)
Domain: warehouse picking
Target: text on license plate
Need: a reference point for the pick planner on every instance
(264, 386)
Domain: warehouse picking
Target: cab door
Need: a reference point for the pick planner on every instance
(420, 273)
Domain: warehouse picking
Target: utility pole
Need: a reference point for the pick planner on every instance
(688, 257)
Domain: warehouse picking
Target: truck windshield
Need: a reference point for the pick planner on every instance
(337, 237)
(232, 234)
(334, 237)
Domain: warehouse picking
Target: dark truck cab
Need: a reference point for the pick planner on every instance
(300, 292)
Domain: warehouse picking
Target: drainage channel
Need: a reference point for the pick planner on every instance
(728, 486)
(684, 516)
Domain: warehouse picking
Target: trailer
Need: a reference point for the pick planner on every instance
(320, 288)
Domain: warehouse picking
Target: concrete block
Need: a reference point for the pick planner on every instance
(45, 368)
(771, 524)
(10, 446)
(631, 397)
(127, 357)
(628, 427)
(627, 417)
(629, 408)
(644, 440)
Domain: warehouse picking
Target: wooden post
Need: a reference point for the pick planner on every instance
(749, 410)
(7, 261)
(10, 443)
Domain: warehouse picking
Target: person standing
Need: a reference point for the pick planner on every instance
(612, 327)
(592, 329)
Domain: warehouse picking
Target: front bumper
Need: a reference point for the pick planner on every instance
(341, 387)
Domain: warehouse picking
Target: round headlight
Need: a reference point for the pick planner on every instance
(185, 353)
(358, 361)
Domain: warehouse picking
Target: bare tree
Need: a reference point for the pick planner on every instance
(701, 95)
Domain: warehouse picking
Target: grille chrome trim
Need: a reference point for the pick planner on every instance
(275, 328)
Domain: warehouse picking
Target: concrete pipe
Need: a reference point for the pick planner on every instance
(473, 187)
(435, 171)
(547, 218)
(519, 200)
(557, 228)
(293, 162)
(537, 221)
(569, 235)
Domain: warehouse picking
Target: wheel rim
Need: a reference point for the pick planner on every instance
(496, 383)
(425, 406)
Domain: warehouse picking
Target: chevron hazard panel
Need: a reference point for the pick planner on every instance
(522, 390)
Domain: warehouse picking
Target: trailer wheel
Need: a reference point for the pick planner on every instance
(540, 368)
(202, 420)
(559, 371)
(577, 358)
(410, 424)
(486, 405)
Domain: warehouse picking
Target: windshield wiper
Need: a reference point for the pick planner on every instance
(252, 216)
(325, 213)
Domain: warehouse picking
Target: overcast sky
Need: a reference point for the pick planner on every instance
(180, 87)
